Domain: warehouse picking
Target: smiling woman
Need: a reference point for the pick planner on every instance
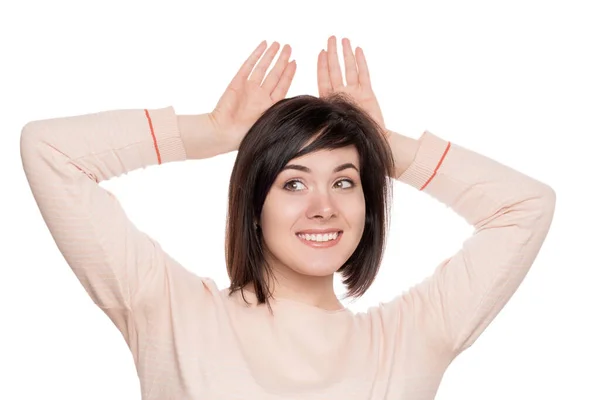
(309, 196)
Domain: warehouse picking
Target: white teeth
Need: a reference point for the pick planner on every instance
(319, 237)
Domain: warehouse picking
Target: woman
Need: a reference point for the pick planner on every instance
(308, 197)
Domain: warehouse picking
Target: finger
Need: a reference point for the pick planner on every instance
(335, 73)
(323, 81)
(363, 70)
(285, 82)
(275, 74)
(350, 62)
(261, 68)
(248, 65)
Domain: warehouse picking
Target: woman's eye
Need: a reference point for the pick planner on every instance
(348, 182)
(296, 185)
(293, 185)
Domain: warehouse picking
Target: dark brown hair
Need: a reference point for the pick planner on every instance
(282, 134)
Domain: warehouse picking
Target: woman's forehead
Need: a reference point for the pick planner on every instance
(326, 157)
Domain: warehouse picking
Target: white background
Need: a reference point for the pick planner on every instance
(515, 80)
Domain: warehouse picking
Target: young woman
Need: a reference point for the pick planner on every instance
(309, 196)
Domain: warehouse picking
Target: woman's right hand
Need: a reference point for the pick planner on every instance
(247, 96)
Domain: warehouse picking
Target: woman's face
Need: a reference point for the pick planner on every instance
(314, 214)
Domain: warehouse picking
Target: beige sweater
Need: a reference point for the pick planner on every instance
(190, 340)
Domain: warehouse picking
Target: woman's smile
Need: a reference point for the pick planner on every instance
(320, 240)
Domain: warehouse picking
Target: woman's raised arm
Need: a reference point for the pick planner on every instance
(511, 214)
(65, 159)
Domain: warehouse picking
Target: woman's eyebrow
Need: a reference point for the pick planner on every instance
(306, 169)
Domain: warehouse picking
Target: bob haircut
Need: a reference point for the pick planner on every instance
(291, 128)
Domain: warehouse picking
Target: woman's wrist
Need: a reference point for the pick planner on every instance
(200, 136)
(404, 149)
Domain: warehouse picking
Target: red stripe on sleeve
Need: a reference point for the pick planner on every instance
(437, 167)
(153, 136)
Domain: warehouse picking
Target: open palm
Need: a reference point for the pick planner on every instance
(358, 81)
(247, 96)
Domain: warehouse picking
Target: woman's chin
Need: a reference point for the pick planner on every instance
(318, 268)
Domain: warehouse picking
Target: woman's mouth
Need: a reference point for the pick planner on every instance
(320, 240)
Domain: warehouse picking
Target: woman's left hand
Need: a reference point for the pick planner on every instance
(358, 81)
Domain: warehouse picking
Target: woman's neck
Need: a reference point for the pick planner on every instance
(310, 290)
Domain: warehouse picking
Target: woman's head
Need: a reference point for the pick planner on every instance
(309, 194)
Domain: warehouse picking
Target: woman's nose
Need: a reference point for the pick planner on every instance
(321, 206)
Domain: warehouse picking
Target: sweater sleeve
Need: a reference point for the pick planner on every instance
(64, 159)
(511, 214)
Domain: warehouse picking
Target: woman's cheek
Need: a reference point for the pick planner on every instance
(354, 207)
(282, 211)
(292, 208)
